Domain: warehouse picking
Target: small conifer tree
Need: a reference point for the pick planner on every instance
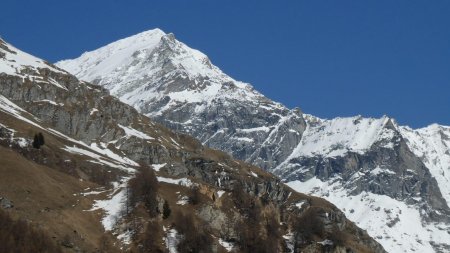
(38, 141)
(166, 210)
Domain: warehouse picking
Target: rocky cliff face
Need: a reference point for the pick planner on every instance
(100, 142)
(369, 158)
(385, 166)
(383, 185)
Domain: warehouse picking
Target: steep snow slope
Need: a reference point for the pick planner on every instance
(432, 145)
(397, 226)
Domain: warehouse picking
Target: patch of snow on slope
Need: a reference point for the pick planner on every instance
(220, 193)
(379, 170)
(229, 246)
(289, 239)
(172, 238)
(7, 128)
(98, 159)
(179, 181)
(255, 129)
(94, 110)
(244, 139)
(50, 102)
(125, 237)
(133, 132)
(157, 167)
(110, 154)
(183, 200)
(253, 174)
(432, 145)
(22, 142)
(112, 206)
(326, 242)
(397, 226)
(300, 204)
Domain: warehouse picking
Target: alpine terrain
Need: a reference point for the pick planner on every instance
(391, 180)
(81, 171)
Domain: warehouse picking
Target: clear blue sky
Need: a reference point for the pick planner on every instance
(330, 58)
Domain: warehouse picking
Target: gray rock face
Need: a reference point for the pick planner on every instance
(395, 172)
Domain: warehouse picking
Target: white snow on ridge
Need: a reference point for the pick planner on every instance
(120, 56)
(397, 226)
(337, 137)
(106, 59)
(13, 63)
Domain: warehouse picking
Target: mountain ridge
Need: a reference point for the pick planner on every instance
(267, 134)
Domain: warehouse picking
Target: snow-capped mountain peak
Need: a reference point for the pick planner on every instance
(153, 65)
(179, 87)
